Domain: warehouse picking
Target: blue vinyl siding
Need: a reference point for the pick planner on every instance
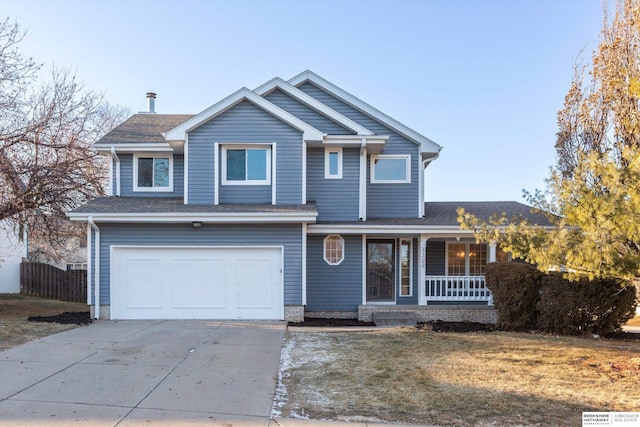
(436, 258)
(334, 287)
(415, 262)
(126, 178)
(383, 200)
(306, 114)
(289, 236)
(245, 123)
(337, 199)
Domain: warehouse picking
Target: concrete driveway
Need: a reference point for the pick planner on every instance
(131, 373)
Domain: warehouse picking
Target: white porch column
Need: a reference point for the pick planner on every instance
(422, 272)
(492, 258)
(492, 252)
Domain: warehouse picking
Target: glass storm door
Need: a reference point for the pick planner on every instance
(381, 281)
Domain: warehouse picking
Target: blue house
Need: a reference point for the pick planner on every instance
(294, 198)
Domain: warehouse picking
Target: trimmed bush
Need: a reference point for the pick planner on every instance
(584, 307)
(515, 288)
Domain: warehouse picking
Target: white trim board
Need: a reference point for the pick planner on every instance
(311, 102)
(426, 145)
(179, 133)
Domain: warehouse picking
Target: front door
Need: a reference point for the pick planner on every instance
(381, 283)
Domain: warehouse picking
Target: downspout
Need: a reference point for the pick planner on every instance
(117, 159)
(96, 303)
(363, 181)
(422, 198)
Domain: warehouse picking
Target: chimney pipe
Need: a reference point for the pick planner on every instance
(151, 101)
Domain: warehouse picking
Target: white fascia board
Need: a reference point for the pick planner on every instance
(137, 147)
(210, 217)
(178, 133)
(311, 102)
(426, 145)
(386, 229)
(431, 231)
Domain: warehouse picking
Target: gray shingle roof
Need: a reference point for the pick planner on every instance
(151, 205)
(143, 128)
(445, 213)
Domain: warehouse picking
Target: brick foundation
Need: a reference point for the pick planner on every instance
(294, 313)
(332, 314)
(105, 312)
(446, 313)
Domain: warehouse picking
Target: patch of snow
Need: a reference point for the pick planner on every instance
(300, 350)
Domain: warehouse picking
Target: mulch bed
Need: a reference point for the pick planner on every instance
(440, 326)
(313, 321)
(68, 318)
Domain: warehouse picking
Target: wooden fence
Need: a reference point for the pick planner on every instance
(46, 281)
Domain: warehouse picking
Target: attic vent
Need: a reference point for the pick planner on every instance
(151, 101)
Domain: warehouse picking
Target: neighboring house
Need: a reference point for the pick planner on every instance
(294, 197)
(12, 250)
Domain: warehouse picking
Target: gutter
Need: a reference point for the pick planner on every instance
(96, 310)
(117, 159)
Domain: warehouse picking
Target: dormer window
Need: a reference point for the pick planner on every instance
(333, 163)
(246, 165)
(152, 172)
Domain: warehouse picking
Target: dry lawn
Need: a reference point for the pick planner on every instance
(15, 329)
(449, 379)
(634, 322)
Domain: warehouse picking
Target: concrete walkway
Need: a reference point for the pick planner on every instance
(134, 373)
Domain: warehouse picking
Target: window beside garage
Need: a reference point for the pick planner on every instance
(333, 249)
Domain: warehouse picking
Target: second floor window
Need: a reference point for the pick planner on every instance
(333, 163)
(390, 169)
(246, 165)
(153, 172)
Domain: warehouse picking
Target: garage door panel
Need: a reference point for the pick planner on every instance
(142, 280)
(198, 283)
(254, 283)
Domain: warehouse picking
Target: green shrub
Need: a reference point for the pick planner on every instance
(597, 306)
(515, 288)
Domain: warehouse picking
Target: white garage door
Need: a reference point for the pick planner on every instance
(197, 283)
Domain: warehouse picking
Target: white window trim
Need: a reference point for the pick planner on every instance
(327, 163)
(136, 156)
(324, 249)
(410, 241)
(467, 265)
(407, 178)
(223, 161)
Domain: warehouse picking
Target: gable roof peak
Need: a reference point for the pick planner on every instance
(427, 147)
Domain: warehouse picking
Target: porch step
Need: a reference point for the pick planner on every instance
(394, 318)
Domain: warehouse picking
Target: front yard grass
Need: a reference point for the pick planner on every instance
(449, 379)
(15, 329)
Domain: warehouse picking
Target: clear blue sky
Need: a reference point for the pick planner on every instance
(484, 79)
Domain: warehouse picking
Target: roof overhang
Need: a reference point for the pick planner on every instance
(138, 147)
(426, 145)
(311, 102)
(432, 231)
(180, 132)
(205, 218)
(373, 143)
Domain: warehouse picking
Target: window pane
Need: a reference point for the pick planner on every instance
(456, 256)
(145, 172)
(236, 165)
(333, 249)
(477, 259)
(256, 165)
(333, 163)
(160, 172)
(390, 169)
(501, 256)
(405, 269)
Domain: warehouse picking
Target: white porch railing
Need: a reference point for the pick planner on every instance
(457, 288)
